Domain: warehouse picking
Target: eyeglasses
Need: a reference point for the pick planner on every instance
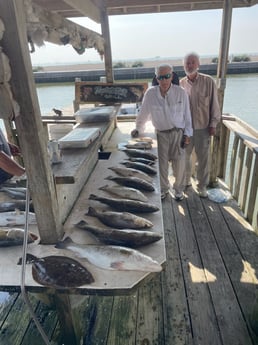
(165, 76)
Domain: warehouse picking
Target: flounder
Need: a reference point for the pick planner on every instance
(58, 271)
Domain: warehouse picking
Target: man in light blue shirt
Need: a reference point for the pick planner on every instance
(167, 106)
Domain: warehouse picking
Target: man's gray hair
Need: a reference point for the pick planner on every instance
(164, 65)
(192, 54)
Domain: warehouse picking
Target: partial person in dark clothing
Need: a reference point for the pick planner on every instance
(8, 167)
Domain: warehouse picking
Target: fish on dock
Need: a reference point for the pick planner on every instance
(140, 153)
(111, 257)
(18, 193)
(145, 168)
(14, 218)
(128, 171)
(126, 237)
(120, 220)
(133, 182)
(15, 205)
(141, 145)
(58, 271)
(126, 205)
(141, 160)
(125, 192)
(14, 237)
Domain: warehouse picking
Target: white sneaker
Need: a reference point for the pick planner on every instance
(203, 193)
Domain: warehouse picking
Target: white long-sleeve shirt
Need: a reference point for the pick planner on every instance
(165, 112)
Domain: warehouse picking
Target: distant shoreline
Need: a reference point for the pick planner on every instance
(146, 64)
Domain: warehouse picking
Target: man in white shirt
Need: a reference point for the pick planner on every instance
(167, 106)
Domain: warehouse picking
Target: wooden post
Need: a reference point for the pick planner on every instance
(107, 45)
(221, 84)
(28, 123)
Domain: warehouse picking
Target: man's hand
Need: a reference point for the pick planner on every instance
(185, 141)
(15, 151)
(134, 133)
(212, 131)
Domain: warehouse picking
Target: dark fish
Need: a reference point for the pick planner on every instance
(142, 160)
(125, 192)
(112, 257)
(14, 237)
(126, 205)
(133, 182)
(15, 205)
(140, 153)
(128, 171)
(126, 237)
(120, 220)
(58, 271)
(140, 166)
(143, 145)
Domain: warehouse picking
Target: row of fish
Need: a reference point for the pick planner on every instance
(124, 232)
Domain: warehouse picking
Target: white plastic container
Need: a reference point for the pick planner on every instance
(79, 138)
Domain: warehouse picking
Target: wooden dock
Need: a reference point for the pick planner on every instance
(204, 296)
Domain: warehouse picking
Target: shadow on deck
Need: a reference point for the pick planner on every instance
(204, 296)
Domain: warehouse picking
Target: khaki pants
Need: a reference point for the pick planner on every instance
(169, 149)
(200, 141)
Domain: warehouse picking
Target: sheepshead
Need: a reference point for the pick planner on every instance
(120, 220)
(125, 237)
(126, 205)
(141, 160)
(140, 153)
(58, 271)
(16, 217)
(112, 257)
(128, 171)
(140, 166)
(18, 193)
(133, 182)
(125, 192)
(15, 205)
(14, 237)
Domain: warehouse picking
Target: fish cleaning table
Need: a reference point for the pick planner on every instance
(106, 281)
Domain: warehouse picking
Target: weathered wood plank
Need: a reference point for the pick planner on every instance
(233, 163)
(150, 313)
(123, 321)
(238, 273)
(239, 169)
(245, 179)
(196, 273)
(230, 321)
(177, 325)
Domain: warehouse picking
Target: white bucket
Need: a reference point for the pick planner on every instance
(56, 132)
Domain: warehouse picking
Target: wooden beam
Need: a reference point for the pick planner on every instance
(28, 123)
(107, 45)
(221, 84)
(86, 7)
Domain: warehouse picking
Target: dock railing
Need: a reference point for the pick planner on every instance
(239, 164)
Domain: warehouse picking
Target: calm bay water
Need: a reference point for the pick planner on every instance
(241, 97)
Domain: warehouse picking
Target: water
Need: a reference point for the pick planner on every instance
(241, 97)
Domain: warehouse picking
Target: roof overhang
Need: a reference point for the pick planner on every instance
(92, 8)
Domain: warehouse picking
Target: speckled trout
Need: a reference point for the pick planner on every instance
(120, 220)
(125, 192)
(112, 257)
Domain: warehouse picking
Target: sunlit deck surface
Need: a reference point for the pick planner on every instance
(205, 295)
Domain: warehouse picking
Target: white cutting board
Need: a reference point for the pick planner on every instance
(79, 138)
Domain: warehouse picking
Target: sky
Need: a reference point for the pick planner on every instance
(147, 36)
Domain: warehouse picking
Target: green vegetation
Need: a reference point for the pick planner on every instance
(137, 64)
(236, 58)
(119, 65)
(37, 69)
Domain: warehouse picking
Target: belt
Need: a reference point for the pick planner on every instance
(171, 129)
